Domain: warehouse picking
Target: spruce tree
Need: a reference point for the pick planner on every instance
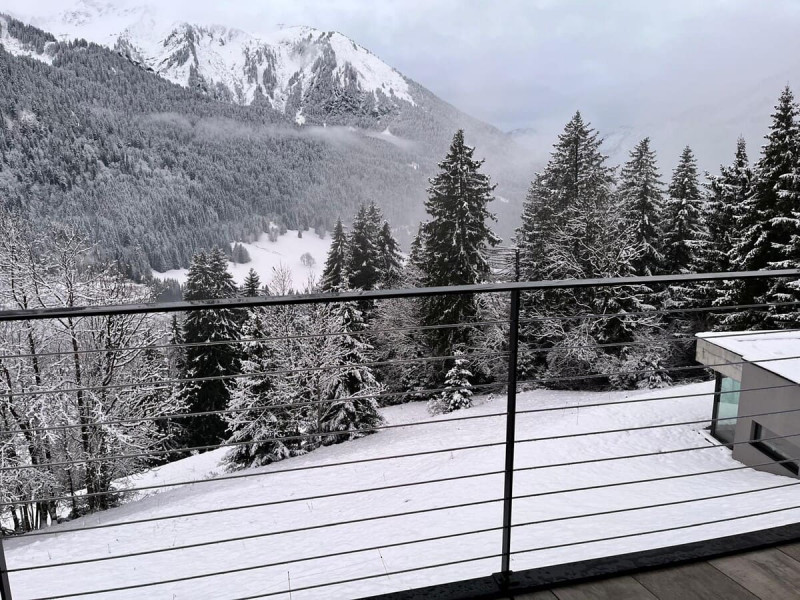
(454, 241)
(572, 184)
(684, 236)
(362, 250)
(574, 228)
(347, 384)
(209, 279)
(459, 392)
(251, 287)
(641, 195)
(727, 194)
(686, 247)
(334, 275)
(769, 222)
(391, 262)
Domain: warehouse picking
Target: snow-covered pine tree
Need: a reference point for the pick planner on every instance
(769, 223)
(573, 227)
(347, 383)
(728, 193)
(363, 258)
(454, 241)
(209, 279)
(334, 275)
(262, 403)
(686, 248)
(251, 287)
(684, 235)
(459, 392)
(575, 179)
(641, 194)
(391, 263)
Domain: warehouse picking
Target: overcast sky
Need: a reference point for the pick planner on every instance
(522, 63)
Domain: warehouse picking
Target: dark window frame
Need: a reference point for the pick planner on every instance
(757, 432)
(715, 419)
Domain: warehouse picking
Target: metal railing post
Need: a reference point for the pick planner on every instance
(5, 586)
(511, 421)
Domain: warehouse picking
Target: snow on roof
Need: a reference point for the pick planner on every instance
(757, 347)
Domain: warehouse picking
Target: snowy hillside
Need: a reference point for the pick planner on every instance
(281, 496)
(267, 255)
(297, 70)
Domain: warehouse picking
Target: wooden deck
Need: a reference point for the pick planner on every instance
(771, 574)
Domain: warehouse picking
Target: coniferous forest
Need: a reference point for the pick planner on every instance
(282, 381)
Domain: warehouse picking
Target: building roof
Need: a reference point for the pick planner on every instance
(774, 351)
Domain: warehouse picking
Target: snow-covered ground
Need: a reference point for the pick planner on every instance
(266, 256)
(291, 487)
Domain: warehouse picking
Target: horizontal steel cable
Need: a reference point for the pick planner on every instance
(528, 440)
(370, 430)
(391, 545)
(278, 338)
(657, 312)
(73, 563)
(658, 370)
(391, 457)
(377, 395)
(260, 505)
(338, 297)
(654, 426)
(662, 530)
(301, 436)
(263, 408)
(652, 454)
(616, 511)
(159, 384)
(285, 501)
(368, 332)
(253, 568)
(601, 486)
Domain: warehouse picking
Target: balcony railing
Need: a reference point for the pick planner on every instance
(416, 516)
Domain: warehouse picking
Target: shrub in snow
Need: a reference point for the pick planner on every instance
(307, 260)
(239, 254)
(644, 366)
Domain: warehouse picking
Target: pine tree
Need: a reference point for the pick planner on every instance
(641, 195)
(574, 228)
(572, 184)
(684, 236)
(363, 258)
(348, 384)
(459, 394)
(770, 221)
(686, 247)
(252, 285)
(334, 275)
(728, 193)
(262, 404)
(209, 279)
(391, 262)
(454, 241)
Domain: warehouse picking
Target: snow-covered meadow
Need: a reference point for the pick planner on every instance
(290, 488)
(266, 255)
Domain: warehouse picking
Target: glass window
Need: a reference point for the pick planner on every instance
(775, 446)
(726, 409)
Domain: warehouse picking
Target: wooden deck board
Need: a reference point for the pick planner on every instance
(696, 581)
(769, 574)
(619, 588)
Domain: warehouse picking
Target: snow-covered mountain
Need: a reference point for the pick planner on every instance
(307, 74)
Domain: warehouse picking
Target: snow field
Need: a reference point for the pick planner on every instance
(266, 256)
(379, 535)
